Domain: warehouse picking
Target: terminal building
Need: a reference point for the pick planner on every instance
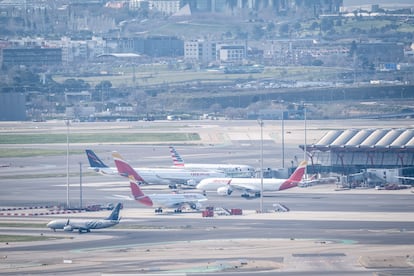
(385, 154)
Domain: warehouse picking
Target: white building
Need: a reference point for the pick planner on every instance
(203, 51)
(232, 53)
(167, 7)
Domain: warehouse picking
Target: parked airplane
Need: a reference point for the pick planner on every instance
(225, 186)
(231, 170)
(96, 164)
(167, 176)
(86, 224)
(176, 201)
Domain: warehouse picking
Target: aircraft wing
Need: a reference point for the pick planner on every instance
(124, 197)
(405, 177)
(181, 181)
(244, 187)
(195, 204)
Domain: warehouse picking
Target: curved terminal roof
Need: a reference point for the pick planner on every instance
(359, 137)
(343, 138)
(328, 138)
(366, 139)
(403, 139)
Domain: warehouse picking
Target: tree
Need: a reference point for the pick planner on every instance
(314, 26)
(284, 29)
(270, 27)
(258, 32)
(353, 48)
(102, 87)
(75, 85)
(326, 24)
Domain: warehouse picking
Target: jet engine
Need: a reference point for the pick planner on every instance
(224, 191)
(68, 228)
(195, 206)
(191, 182)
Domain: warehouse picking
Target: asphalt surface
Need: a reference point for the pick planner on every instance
(326, 232)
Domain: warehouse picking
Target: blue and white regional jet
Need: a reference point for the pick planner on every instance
(85, 225)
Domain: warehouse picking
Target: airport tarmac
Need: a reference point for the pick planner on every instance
(326, 232)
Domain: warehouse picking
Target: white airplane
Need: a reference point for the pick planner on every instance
(166, 176)
(86, 224)
(231, 170)
(176, 201)
(225, 186)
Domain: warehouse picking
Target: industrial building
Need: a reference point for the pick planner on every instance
(31, 56)
(387, 154)
(12, 107)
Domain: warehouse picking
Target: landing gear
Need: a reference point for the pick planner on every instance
(246, 195)
(177, 211)
(158, 210)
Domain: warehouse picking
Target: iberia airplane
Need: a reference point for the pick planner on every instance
(225, 186)
(163, 176)
(177, 200)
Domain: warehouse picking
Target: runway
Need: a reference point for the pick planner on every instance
(326, 232)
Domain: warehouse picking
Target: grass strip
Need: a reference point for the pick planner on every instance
(22, 225)
(23, 238)
(30, 152)
(96, 138)
(47, 175)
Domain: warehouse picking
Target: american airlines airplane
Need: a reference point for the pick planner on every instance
(86, 224)
(166, 176)
(231, 170)
(176, 201)
(225, 186)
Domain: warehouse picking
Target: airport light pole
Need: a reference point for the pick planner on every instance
(305, 157)
(80, 185)
(67, 122)
(283, 140)
(260, 121)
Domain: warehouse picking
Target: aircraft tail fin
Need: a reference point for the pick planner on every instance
(295, 177)
(94, 161)
(177, 160)
(137, 193)
(124, 168)
(115, 212)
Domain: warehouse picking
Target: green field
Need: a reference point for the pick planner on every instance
(161, 75)
(28, 152)
(19, 238)
(96, 138)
